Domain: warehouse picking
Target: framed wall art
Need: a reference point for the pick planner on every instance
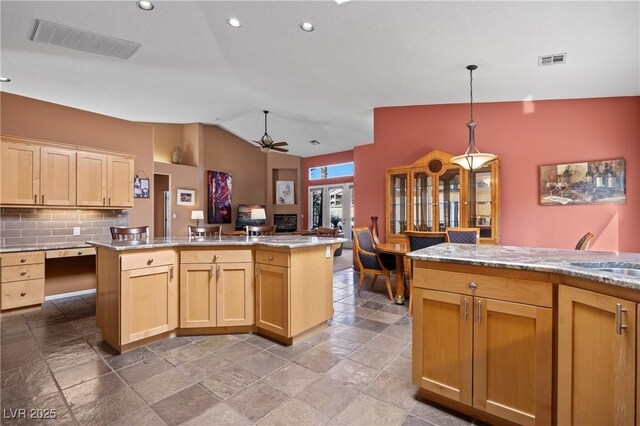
(185, 197)
(285, 192)
(590, 182)
(218, 197)
(140, 187)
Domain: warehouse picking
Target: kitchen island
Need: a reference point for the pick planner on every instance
(526, 335)
(280, 287)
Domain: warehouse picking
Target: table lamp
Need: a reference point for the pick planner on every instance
(197, 215)
(258, 214)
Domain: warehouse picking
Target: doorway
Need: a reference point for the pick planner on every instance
(161, 206)
(332, 206)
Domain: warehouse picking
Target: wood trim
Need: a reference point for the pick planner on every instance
(41, 142)
(84, 251)
(464, 409)
(199, 331)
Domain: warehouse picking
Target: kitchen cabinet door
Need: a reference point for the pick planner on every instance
(234, 294)
(58, 176)
(272, 298)
(197, 295)
(20, 174)
(120, 181)
(91, 179)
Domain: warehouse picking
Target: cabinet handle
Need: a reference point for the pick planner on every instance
(465, 309)
(619, 311)
(150, 261)
(23, 260)
(171, 273)
(23, 294)
(473, 285)
(109, 200)
(42, 201)
(257, 270)
(211, 272)
(217, 272)
(104, 201)
(23, 273)
(35, 199)
(479, 311)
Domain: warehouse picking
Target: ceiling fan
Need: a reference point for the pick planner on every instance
(266, 143)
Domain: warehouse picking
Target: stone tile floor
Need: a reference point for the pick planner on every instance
(356, 372)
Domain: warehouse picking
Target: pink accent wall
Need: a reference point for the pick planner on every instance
(319, 161)
(525, 135)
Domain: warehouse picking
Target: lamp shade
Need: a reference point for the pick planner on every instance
(258, 214)
(197, 214)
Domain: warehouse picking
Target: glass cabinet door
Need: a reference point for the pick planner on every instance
(397, 203)
(449, 199)
(422, 202)
(480, 211)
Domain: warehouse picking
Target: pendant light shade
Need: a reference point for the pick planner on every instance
(472, 159)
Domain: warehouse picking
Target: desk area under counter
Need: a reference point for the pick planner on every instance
(279, 287)
(527, 335)
(31, 273)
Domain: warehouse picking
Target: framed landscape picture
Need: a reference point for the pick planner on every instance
(591, 182)
(185, 197)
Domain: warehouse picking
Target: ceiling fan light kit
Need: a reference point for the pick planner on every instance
(266, 143)
(472, 159)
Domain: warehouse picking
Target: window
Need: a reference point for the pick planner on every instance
(331, 171)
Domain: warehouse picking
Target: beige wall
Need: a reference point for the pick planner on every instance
(181, 177)
(31, 118)
(165, 139)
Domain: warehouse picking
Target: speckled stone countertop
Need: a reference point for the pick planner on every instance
(286, 241)
(575, 263)
(39, 247)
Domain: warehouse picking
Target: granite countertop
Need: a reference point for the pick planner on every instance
(287, 241)
(575, 263)
(39, 247)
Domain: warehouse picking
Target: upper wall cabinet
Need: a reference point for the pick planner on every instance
(432, 194)
(39, 174)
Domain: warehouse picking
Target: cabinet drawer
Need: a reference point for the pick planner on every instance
(147, 259)
(502, 288)
(86, 251)
(272, 258)
(215, 256)
(24, 258)
(23, 272)
(22, 293)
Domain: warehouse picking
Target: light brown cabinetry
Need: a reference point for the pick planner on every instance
(44, 174)
(216, 288)
(35, 175)
(22, 277)
(479, 341)
(432, 194)
(596, 358)
(137, 295)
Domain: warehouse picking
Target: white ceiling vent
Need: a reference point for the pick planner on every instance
(85, 41)
(555, 59)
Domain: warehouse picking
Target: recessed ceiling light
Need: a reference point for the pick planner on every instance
(314, 142)
(306, 26)
(234, 22)
(341, 1)
(4, 80)
(145, 5)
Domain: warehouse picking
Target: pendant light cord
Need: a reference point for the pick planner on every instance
(471, 88)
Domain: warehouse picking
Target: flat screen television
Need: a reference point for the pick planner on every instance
(244, 216)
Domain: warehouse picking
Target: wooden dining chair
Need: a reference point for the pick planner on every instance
(260, 231)
(368, 260)
(584, 241)
(463, 235)
(235, 234)
(121, 233)
(324, 231)
(417, 240)
(203, 231)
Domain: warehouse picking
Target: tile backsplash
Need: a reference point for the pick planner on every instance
(23, 227)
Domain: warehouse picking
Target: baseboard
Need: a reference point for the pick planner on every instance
(71, 294)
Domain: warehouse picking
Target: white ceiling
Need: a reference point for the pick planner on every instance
(323, 85)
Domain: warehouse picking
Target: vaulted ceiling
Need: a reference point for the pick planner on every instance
(323, 85)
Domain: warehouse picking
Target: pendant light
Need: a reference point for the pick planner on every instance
(472, 159)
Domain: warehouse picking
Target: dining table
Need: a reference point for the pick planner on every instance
(398, 250)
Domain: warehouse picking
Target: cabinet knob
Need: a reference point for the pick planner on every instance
(80, 253)
(270, 258)
(23, 294)
(473, 285)
(150, 261)
(215, 257)
(23, 273)
(23, 260)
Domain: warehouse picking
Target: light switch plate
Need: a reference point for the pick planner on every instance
(76, 230)
(327, 252)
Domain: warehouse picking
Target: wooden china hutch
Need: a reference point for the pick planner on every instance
(432, 194)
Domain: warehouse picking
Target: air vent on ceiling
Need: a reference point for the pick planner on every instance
(314, 142)
(85, 41)
(555, 59)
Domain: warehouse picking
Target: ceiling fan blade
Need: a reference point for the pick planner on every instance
(281, 143)
(275, 148)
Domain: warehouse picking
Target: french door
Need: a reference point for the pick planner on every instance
(332, 206)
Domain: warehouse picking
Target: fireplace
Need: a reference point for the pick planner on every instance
(286, 222)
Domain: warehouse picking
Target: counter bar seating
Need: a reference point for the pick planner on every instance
(260, 231)
(121, 233)
(203, 231)
(369, 261)
(463, 235)
(324, 231)
(417, 240)
(583, 243)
